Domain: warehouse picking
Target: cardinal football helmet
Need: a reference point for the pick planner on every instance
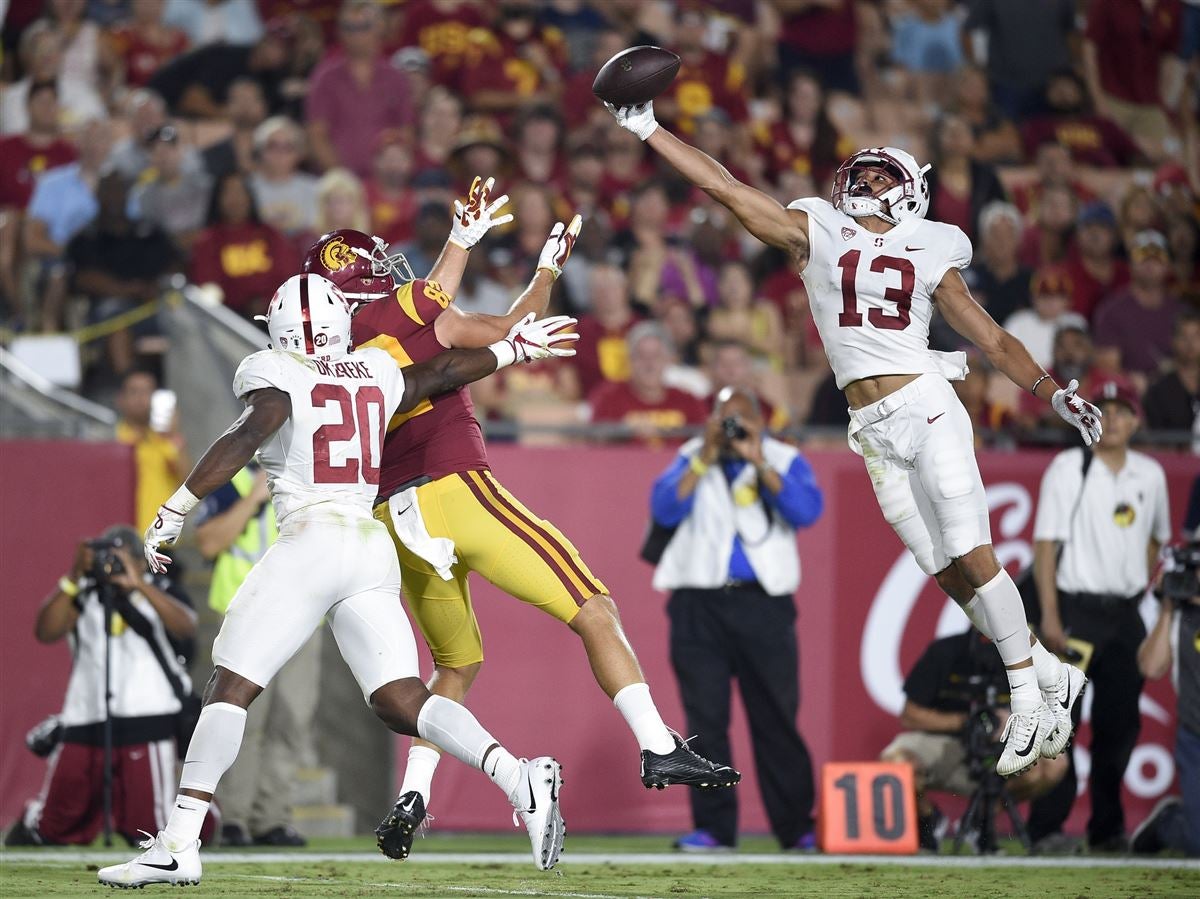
(359, 264)
(309, 315)
(907, 198)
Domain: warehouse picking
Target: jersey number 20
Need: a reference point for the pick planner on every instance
(902, 296)
(357, 418)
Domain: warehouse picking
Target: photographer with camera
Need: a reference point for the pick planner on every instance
(955, 706)
(1174, 645)
(727, 510)
(110, 756)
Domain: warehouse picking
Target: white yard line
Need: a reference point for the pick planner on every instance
(219, 857)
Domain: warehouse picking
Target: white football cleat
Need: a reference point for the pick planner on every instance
(1023, 736)
(536, 806)
(157, 864)
(1061, 700)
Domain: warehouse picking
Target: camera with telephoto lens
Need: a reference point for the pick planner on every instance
(1181, 572)
(105, 561)
(732, 428)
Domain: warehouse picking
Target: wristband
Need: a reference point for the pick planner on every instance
(181, 502)
(68, 586)
(505, 352)
(698, 466)
(1034, 388)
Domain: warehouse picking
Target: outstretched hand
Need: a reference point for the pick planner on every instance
(558, 246)
(530, 340)
(1078, 412)
(477, 216)
(638, 119)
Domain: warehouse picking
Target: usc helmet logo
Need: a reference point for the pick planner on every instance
(336, 255)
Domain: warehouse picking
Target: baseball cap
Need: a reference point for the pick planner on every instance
(1118, 390)
(1097, 213)
(1146, 242)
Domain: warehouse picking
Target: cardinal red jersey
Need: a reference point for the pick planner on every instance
(440, 436)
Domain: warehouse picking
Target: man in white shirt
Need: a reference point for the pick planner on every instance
(1110, 521)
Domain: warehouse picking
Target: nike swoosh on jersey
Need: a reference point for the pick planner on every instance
(174, 866)
(935, 418)
(909, 249)
(1029, 747)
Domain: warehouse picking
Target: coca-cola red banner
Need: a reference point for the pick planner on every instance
(866, 613)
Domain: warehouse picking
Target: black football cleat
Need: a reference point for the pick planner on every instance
(683, 765)
(394, 835)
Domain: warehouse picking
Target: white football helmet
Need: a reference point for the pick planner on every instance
(309, 315)
(908, 198)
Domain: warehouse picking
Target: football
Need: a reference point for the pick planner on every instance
(636, 75)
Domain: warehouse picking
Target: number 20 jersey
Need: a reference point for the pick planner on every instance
(325, 458)
(871, 295)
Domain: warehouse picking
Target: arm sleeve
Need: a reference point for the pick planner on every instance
(262, 369)
(666, 507)
(1054, 504)
(957, 253)
(800, 500)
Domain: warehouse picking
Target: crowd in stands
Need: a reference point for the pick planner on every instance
(218, 138)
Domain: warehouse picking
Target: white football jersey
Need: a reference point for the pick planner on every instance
(328, 450)
(871, 295)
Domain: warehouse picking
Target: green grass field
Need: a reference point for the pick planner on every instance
(600, 868)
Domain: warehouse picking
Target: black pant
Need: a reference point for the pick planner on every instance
(1116, 631)
(719, 635)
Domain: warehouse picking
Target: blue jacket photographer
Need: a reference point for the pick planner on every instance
(1173, 645)
(731, 503)
(122, 626)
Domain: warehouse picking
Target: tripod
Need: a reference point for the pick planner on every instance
(980, 814)
(107, 600)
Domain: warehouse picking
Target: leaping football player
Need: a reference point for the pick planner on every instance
(874, 268)
(449, 516)
(316, 414)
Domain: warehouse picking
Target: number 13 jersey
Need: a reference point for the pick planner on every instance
(326, 456)
(871, 295)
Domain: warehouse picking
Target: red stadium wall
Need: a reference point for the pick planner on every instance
(866, 612)
(52, 495)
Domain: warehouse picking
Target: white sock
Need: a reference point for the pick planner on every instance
(1001, 602)
(638, 710)
(214, 747)
(183, 827)
(504, 771)
(1047, 666)
(1025, 695)
(418, 773)
(974, 611)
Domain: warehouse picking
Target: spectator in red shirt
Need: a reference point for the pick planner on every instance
(356, 95)
(441, 28)
(645, 404)
(822, 35)
(1048, 240)
(578, 102)
(390, 197)
(1054, 166)
(1093, 267)
(585, 174)
(959, 186)
(246, 259)
(706, 80)
(514, 63)
(143, 43)
(804, 140)
(538, 135)
(1129, 50)
(1090, 139)
(601, 354)
(23, 157)
(624, 169)
(1138, 320)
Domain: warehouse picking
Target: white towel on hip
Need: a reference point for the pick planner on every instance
(411, 530)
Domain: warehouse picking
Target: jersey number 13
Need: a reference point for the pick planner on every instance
(902, 296)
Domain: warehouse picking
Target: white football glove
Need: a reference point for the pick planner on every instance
(558, 246)
(167, 527)
(478, 216)
(1078, 412)
(638, 119)
(530, 340)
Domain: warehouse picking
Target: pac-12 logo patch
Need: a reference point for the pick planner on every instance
(847, 233)
(336, 255)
